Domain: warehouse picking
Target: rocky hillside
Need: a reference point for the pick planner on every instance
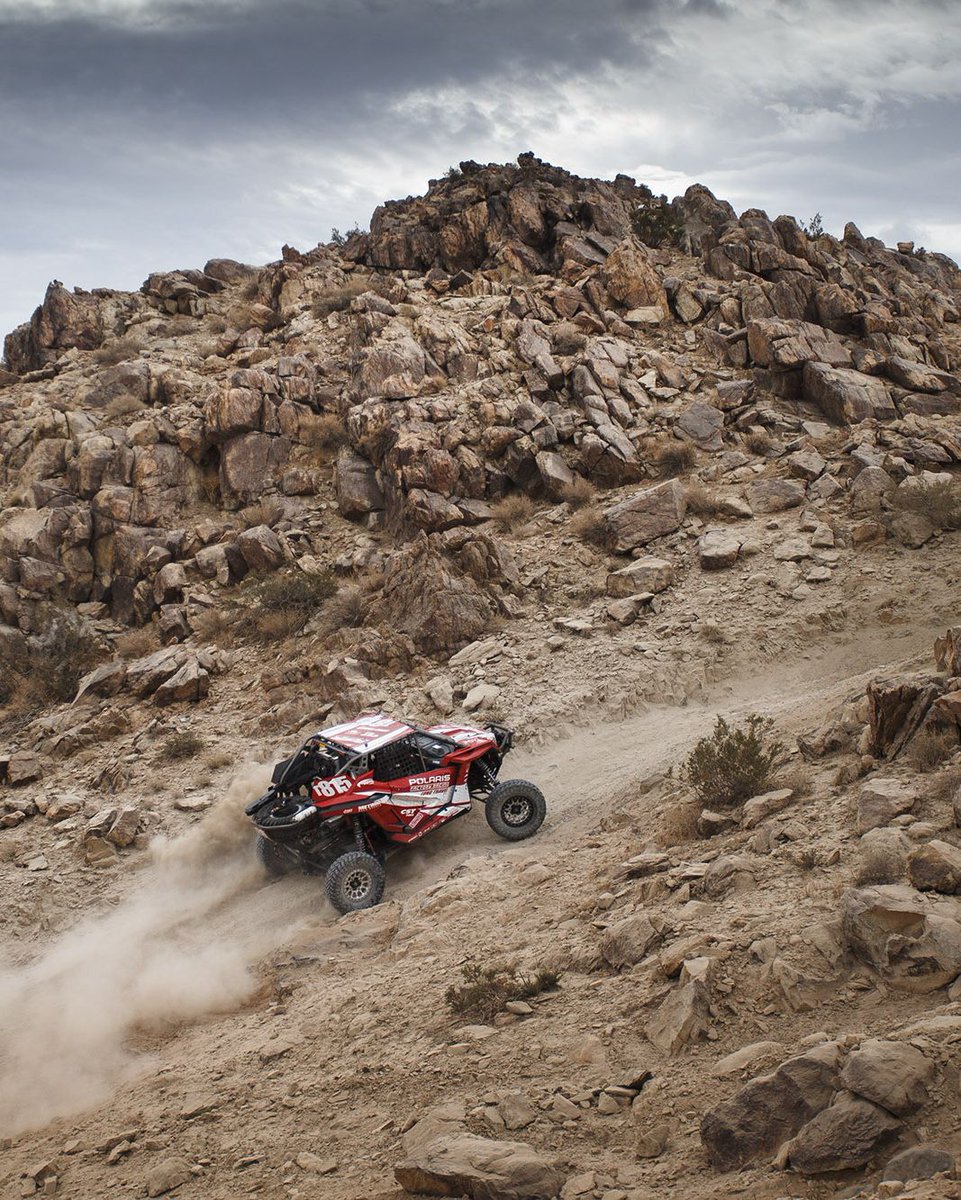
(499, 457)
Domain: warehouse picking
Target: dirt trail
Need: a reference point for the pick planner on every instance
(183, 943)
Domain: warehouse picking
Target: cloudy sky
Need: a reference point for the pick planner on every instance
(141, 135)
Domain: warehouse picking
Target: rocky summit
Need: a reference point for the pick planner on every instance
(535, 449)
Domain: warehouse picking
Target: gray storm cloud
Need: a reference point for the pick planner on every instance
(142, 136)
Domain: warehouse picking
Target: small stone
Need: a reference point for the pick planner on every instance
(651, 1143)
(313, 1164)
(167, 1175)
(606, 1105)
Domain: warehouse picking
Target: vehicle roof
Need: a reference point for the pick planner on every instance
(370, 731)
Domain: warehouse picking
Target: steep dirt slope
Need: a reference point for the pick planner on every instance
(496, 459)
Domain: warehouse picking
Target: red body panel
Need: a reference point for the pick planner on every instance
(407, 807)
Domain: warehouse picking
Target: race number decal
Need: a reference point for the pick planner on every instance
(334, 787)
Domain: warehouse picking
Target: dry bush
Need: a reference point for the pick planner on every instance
(347, 609)
(338, 299)
(328, 432)
(946, 785)
(939, 501)
(758, 442)
(56, 662)
(733, 764)
(579, 493)
(879, 863)
(513, 511)
(930, 748)
(216, 625)
(137, 643)
(486, 990)
(679, 824)
(216, 760)
(700, 501)
(675, 457)
(799, 778)
(118, 351)
(590, 525)
(284, 602)
(183, 743)
(805, 858)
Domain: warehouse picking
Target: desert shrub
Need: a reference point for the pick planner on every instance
(700, 501)
(590, 525)
(579, 493)
(118, 351)
(338, 299)
(815, 227)
(879, 863)
(799, 778)
(733, 764)
(137, 643)
(216, 760)
(344, 610)
(216, 625)
(656, 223)
(328, 432)
(486, 990)
(939, 501)
(183, 743)
(341, 239)
(758, 442)
(513, 511)
(679, 824)
(675, 457)
(285, 601)
(930, 748)
(65, 652)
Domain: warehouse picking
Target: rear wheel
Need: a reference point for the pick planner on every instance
(354, 881)
(515, 809)
(275, 859)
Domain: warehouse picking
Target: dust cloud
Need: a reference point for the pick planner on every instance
(178, 947)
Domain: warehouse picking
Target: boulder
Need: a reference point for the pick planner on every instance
(775, 495)
(936, 867)
(631, 279)
(919, 1162)
(261, 548)
(881, 800)
(462, 1164)
(64, 320)
(642, 575)
(701, 424)
(919, 377)
(896, 710)
(947, 651)
(847, 397)
(649, 514)
(848, 1134)
(684, 1015)
(426, 598)
(895, 1075)
(888, 927)
(771, 1108)
(22, 767)
(718, 548)
(166, 1175)
(629, 940)
(191, 682)
(358, 490)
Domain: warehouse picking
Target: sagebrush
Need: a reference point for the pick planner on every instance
(733, 763)
(939, 501)
(485, 990)
(284, 602)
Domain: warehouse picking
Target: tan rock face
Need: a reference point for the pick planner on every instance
(650, 514)
(466, 1165)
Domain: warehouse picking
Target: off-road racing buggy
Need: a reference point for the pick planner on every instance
(355, 792)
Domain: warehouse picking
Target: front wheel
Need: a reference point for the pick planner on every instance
(515, 809)
(276, 859)
(354, 881)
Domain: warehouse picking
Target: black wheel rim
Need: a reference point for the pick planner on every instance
(516, 811)
(358, 884)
